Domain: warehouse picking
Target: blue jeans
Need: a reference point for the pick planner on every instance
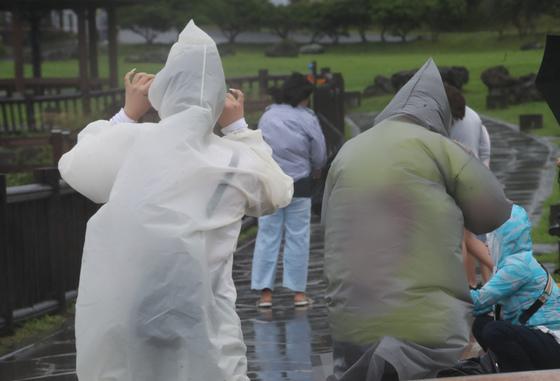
(295, 220)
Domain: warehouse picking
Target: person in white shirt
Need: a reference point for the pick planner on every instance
(468, 130)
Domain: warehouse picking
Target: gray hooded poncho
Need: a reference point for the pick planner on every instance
(396, 201)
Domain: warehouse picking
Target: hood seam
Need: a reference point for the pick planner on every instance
(203, 75)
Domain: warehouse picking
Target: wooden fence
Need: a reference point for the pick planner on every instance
(37, 113)
(42, 229)
(31, 113)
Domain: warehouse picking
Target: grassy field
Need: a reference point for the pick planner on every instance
(360, 63)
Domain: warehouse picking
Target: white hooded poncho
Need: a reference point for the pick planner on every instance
(156, 299)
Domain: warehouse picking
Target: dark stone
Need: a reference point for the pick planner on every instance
(401, 77)
(381, 86)
(530, 122)
(456, 76)
(497, 77)
(285, 48)
(312, 49)
(384, 83)
(501, 85)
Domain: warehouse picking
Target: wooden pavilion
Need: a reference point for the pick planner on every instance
(25, 99)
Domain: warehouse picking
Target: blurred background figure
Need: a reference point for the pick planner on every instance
(298, 146)
(468, 130)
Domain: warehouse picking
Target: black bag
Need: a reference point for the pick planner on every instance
(485, 364)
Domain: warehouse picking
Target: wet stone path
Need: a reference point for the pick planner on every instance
(285, 343)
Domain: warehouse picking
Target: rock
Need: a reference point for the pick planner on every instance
(400, 78)
(497, 77)
(504, 89)
(534, 45)
(384, 83)
(312, 49)
(381, 86)
(285, 48)
(456, 76)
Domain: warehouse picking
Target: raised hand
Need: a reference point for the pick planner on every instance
(136, 93)
(233, 108)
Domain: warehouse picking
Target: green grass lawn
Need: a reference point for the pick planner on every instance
(360, 63)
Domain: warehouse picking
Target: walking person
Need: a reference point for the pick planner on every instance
(298, 146)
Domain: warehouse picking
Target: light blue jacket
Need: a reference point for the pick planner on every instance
(519, 279)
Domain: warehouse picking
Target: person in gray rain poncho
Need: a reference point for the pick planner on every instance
(396, 200)
(156, 299)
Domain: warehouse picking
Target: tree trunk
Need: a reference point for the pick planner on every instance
(363, 35)
(231, 36)
(383, 31)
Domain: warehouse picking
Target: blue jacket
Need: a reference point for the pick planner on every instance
(296, 139)
(519, 279)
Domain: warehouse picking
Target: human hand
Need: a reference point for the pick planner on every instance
(136, 86)
(233, 108)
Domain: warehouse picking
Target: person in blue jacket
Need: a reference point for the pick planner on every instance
(524, 336)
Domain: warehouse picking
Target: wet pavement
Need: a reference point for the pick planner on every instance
(285, 343)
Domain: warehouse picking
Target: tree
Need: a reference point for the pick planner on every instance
(147, 20)
(442, 15)
(399, 17)
(522, 14)
(285, 19)
(235, 16)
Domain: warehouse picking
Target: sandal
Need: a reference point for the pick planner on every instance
(303, 303)
(261, 304)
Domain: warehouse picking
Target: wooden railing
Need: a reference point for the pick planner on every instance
(42, 232)
(42, 228)
(52, 86)
(38, 113)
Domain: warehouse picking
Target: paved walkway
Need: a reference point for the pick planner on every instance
(289, 344)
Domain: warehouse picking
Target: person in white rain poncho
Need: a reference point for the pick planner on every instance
(156, 300)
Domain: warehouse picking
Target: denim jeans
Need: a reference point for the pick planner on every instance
(293, 220)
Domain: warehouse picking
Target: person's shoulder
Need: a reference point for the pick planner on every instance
(472, 115)
(309, 111)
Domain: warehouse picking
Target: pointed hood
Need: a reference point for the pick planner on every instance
(192, 76)
(422, 98)
(512, 238)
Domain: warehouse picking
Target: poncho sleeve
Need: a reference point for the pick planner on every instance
(476, 190)
(92, 165)
(271, 188)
